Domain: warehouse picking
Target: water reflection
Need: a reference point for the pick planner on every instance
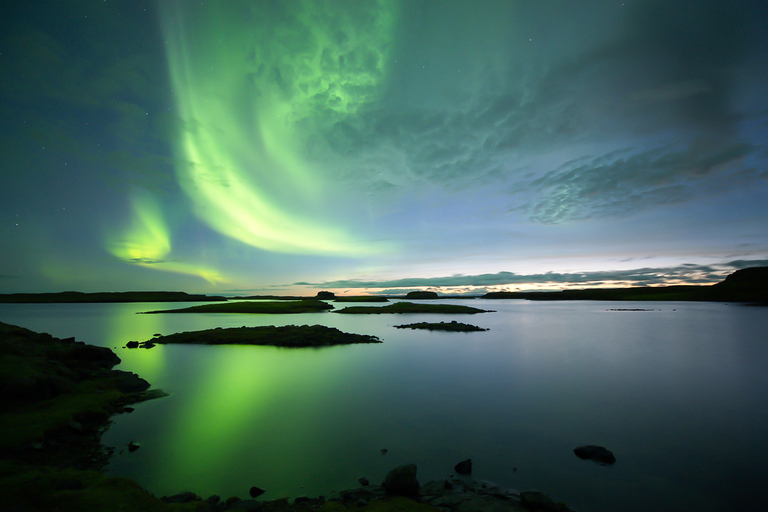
(680, 395)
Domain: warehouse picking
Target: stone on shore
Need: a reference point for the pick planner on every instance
(401, 481)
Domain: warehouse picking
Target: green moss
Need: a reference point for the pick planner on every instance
(410, 307)
(270, 307)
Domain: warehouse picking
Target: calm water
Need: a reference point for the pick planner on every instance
(679, 394)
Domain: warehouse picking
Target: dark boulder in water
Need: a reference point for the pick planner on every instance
(464, 467)
(402, 481)
(598, 454)
(256, 491)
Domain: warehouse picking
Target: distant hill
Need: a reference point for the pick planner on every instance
(106, 297)
(745, 285)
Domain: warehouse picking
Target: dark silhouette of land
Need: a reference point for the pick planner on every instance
(410, 307)
(270, 307)
(452, 326)
(746, 285)
(284, 336)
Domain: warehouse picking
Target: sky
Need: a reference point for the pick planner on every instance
(287, 147)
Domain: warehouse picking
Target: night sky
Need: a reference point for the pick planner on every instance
(287, 147)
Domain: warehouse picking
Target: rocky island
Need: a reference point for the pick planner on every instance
(285, 336)
(272, 307)
(410, 307)
(452, 326)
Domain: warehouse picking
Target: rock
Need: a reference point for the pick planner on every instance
(133, 446)
(256, 491)
(537, 501)
(464, 467)
(598, 454)
(231, 501)
(214, 499)
(402, 481)
(129, 382)
(132, 344)
(250, 505)
(147, 344)
(182, 497)
(363, 481)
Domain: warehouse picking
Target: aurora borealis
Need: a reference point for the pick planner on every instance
(287, 147)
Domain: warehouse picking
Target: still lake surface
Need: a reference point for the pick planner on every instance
(678, 393)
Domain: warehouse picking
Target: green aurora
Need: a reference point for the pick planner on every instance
(247, 90)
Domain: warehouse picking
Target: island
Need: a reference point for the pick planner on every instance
(267, 307)
(452, 326)
(410, 307)
(361, 298)
(284, 336)
(421, 295)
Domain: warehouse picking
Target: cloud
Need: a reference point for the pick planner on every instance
(689, 273)
(621, 183)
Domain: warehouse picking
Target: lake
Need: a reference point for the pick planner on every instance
(678, 392)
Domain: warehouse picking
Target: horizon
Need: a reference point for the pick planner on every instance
(380, 147)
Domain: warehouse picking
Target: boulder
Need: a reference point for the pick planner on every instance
(537, 501)
(464, 467)
(595, 453)
(402, 481)
(256, 491)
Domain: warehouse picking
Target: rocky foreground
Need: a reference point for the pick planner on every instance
(57, 397)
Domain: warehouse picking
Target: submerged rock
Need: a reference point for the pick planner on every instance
(598, 454)
(256, 491)
(464, 467)
(402, 481)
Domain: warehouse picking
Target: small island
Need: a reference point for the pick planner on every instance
(361, 298)
(421, 295)
(410, 307)
(452, 326)
(294, 336)
(267, 307)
